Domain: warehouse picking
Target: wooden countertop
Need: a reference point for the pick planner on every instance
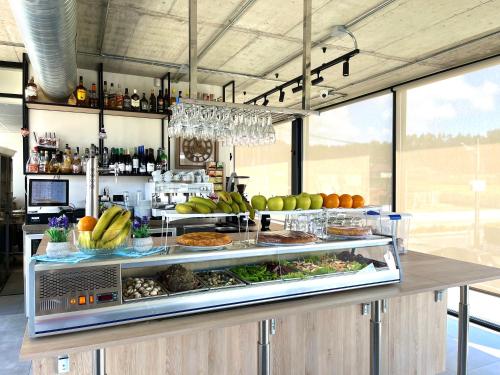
(421, 273)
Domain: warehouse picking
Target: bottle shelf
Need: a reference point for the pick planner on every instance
(83, 175)
(61, 108)
(158, 116)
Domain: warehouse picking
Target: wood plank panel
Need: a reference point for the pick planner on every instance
(79, 364)
(333, 341)
(225, 351)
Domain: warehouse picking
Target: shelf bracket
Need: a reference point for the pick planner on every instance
(438, 295)
(365, 309)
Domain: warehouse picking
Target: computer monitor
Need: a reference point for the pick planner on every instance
(47, 192)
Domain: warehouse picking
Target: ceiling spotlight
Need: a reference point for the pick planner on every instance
(317, 80)
(266, 101)
(282, 96)
(255, 102)
(345, 68)
(298, 88)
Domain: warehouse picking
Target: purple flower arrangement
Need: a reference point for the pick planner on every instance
(58, 229)
(140, 227)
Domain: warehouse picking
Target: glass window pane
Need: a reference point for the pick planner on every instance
(268, 166)
(349, 150)
(11, 81)
(451, 174)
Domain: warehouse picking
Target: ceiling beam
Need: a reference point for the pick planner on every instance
(103, 27)
(231, 20)
(193, 48)
(306, 55)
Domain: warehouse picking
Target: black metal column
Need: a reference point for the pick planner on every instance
(297, 147)
(100, 78)
(26, 125)
(394, 149)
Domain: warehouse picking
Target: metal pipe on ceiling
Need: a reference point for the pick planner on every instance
(193, 48)
(306, 54)
(49, 33)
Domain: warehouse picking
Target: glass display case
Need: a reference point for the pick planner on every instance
(101, 292)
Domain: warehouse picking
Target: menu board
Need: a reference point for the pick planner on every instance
(48, 192)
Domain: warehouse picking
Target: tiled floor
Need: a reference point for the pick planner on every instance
(484, 350)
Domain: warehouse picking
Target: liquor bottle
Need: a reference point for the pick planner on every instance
(77, 162)
(112, 97)
(158, 160)
(144, 103)
(160, 104)
(112, 161)
(150, 166)
(42, 165)
(142, 161)
(164, 161)
(173, 98)
(119, 98)
(179, 97)
(121, 161)
(85, 159)
(31, 91)
(127, 104)
(128, 162)
(54, 165)
(106, 95)
(135, 162)
(81, 94)
(152, 102)
(105, 158)
(33, 164)
(93, 96)
(135, 102)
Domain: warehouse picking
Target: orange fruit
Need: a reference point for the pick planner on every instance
(323, 195)
(358, 201)
(345, 201)
(87, 223)
(331, 201)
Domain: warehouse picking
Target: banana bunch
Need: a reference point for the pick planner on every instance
(228, 203)
(111, 230)
(196, 205)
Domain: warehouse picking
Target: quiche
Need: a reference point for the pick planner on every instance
(207, 239)
(287, 237)
(349, 231)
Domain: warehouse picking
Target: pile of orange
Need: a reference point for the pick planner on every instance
(343, 201)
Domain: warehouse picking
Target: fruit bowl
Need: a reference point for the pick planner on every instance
(84, 243)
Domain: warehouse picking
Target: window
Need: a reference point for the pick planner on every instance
(450, 174)
(268, 166)
(349, 150)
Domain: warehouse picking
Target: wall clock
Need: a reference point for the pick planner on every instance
(194, 153)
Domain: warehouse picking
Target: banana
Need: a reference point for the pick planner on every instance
(183, 208)
(202, 208)
(104, 221)
(226, 208)
(196, 204)
(250, 209)
(225, 197)
(84, 240)
(236, 197)
(119, 222)
(206, 201)
(242, 206)
(235, 208)
(119, 239)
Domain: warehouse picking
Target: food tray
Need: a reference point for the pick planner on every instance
(253, 282)
(227, 272)
(142, 298)
(201, 287)
(285, 244)
(204, 248)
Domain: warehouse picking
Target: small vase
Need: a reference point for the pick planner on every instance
(57, 249)
(142, 244)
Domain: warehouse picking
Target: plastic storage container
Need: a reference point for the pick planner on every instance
(392, 224)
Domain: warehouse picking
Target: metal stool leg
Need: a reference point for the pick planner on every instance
(99, 366)
(375, 338)
(264, 355)
(463, 330)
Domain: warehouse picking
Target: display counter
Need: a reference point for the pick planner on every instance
(405, 332)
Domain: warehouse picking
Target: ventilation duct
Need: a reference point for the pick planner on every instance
(48, 28)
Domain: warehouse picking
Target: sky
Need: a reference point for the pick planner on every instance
(465, 104)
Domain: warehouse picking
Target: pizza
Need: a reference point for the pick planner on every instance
(204, 239)
(287, 237)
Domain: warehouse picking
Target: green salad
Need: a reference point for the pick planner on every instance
(254, 273)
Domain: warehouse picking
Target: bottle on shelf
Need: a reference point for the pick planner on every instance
(112, 161)
(144, 103)
(42, 163)
(164, 161)
(77, 162)
(112, 97)
(150, 164)
(179, 97)
(85, 159)
(142, 161)
(135, 162)
(121, 161)
(31, 91)
(119, 98)
(106, 95)
(128, 162)
(55, 164)
(81, 94)
(135, 102)
(127, 105)
(94, 103)
(105, 158)
(152, 101)
(33, 164)
(160, 104)
(158, 160)
(173, 97)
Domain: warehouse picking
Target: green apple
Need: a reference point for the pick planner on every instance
(275, 204)
(303, 201)
(259, 202)
(289, 203)
(316, 201)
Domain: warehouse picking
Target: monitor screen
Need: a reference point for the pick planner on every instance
(48, 192)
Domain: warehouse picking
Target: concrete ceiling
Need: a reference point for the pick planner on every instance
(251, 40)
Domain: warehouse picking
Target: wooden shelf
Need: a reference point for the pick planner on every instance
(62, 108)
(83, 175)
(157, 116)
